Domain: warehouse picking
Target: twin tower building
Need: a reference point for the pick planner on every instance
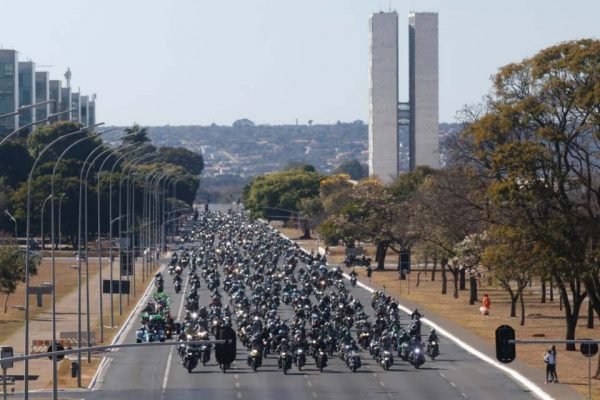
(404, 135)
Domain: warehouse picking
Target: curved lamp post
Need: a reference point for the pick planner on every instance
(28, 221)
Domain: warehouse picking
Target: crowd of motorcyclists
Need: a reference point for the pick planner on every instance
(282, 301)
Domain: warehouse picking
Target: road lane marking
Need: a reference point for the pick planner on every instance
(169, 359)
(464, 395)
(452, 384)
(237, 385)
(309, 384)
(381, 383)
(239, 395)
(314, 394)
(442, 375)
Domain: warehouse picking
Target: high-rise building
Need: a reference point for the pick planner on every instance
(383, 96)
(423, 89)
(26, 91)
(84, 110)
(65, 103)
(92, 111)
(55, 94)
(76, 106)
(9, 89)
(42, 93)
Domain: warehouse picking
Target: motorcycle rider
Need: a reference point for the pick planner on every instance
(432, 336)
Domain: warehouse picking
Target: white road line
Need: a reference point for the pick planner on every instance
(239, 395)
(309, 384)
(236, 376)
(168, 367)
(464, 395)
(237, 385)
(121, 334)
(515, 375)
(374, 375)
(442, 375)
(381, 383)
(314, 395)
(452, 384)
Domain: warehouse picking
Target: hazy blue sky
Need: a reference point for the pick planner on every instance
(272, 61)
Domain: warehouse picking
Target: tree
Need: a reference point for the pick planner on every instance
(355, 169)
(278, 195)
(192, 162)
(12, 270)
(535, 145)
(139, 136)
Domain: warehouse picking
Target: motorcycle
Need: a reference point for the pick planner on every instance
(204, 354)
(386, 360)
(353, 361)
(255, 359)
(353, 281)
(433, 349)
(321, 360)
(300, 358)
(285, 361)
(416, 357)
(190, 359)
(177, 286)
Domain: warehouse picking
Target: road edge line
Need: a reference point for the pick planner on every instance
(119, 334)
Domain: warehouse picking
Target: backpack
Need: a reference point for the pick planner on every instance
(546, 358)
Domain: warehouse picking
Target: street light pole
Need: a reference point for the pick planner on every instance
(42, 222)
(28, 220)
(25, 108)
(4, 139)
(15, 221)
(60, 219)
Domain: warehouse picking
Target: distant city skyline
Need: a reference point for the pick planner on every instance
(272, 61)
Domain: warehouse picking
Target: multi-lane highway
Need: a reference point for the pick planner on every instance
(157, 373)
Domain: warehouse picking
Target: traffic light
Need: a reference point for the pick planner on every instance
(505, 352)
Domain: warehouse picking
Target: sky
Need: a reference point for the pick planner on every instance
(184, 62)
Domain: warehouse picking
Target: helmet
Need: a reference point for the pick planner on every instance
(432, 331)
(284, 341)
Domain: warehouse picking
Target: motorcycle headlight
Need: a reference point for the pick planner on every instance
(189, 337)
(417, 351)
(194, 315)
(434, 343)
(300, 351)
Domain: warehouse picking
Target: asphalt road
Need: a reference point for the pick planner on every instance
(157, 374)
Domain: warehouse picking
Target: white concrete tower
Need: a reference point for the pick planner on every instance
(423, 89)
(383, 96)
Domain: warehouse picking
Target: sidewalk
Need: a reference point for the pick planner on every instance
(40, 327)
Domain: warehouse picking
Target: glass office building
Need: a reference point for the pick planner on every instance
(65, 103)
(9, 89)
(84, 110)
(55, 94)
(26, 91)
(42, 93)
(76, 107)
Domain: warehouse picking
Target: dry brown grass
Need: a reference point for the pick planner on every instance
(543, 321)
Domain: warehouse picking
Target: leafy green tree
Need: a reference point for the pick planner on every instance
(278, 195)
(192, 162)
(536, 147)
(15, 163)
(355, 169)
(12, 270)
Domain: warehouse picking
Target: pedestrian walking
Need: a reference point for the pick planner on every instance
(369, 272)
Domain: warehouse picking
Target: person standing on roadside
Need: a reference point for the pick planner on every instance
(485, 309)
(552, 364)
(369, 272)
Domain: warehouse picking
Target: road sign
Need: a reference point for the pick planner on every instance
(6, 352)
(59, 347)
(39, 291)
(115, 286)
(125, 262)
(589, 349)
(505, 352)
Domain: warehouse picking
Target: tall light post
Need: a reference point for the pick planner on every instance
(15, 221)
(41, 121)
(60, 219)
(42, 222)
(22, 109)
(28, 220)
